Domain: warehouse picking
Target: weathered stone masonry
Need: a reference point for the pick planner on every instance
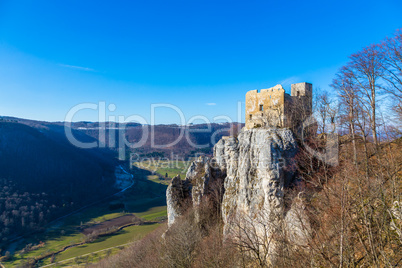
(272, 107)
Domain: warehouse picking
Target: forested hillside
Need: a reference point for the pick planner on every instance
(159, 140)
(42, 176)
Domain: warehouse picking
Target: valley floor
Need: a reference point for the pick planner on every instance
(101, 229)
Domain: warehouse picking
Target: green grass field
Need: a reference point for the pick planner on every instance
(161, 167)
(153, 214)
(159, 179)
(124, 236)
(146, 199)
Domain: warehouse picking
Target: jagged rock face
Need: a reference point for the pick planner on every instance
(258, 166)
(177, 194)
(180, 193)
(199, 175)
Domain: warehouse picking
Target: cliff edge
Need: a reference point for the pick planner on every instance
(255, 168)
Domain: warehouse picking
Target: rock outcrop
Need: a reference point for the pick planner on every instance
(200, 177)
(177, 195)
(256, 166)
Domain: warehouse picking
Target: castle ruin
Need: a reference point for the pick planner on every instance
(272, 107)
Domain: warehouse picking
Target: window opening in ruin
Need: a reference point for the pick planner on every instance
(261, 107)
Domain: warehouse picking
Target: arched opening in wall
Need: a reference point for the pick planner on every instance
(261, 107)
(298, 93)
(250, 116)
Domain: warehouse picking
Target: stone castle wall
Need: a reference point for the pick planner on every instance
(272, 107)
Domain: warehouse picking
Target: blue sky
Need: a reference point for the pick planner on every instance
(199, 55)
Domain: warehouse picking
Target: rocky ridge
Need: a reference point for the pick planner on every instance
(256, 167)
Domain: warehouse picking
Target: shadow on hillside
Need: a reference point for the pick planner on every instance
(142, 197)
(145, 194)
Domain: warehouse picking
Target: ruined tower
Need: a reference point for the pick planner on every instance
(302, 89)
(272, 107)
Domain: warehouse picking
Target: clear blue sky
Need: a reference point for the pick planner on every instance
(200, 55)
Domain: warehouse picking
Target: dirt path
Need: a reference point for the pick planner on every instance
(83, 243)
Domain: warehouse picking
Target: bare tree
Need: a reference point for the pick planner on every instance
(181, 241)
(348, 98)
(254, 237)
(326, 112)
(391, 49)
(366, 69)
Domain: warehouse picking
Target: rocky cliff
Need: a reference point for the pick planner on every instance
(177, 195)
(256, 166)
(202, 175)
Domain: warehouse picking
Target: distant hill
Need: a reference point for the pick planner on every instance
(191, 135)
(181, 141)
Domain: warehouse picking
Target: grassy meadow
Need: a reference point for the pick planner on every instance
(162, 167)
